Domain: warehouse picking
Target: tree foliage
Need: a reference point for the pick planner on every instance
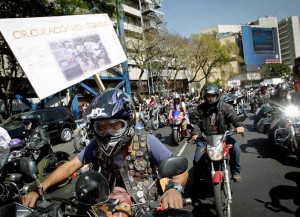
(276, 70)
(176, 55)
(209, 56)
(145, 52)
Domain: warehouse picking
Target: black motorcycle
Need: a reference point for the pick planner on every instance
(43, 156)
(237, 102)
(92, 196)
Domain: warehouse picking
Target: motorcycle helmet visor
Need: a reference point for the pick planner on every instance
(26, 122)
(110, 127)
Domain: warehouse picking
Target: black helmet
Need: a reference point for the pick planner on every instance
(211, 90)
(28, 118)
(112, 117)
(281, 87)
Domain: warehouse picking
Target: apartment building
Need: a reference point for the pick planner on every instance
(289, 36)
(141, 16)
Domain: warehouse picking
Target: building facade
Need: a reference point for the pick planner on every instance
(289, 35)
(139, 17)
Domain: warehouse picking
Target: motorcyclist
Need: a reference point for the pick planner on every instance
(115, 149)
(215, 117)
(152, 101)
(281, 96)
(35, 135)
(262, 96)
(178, 105)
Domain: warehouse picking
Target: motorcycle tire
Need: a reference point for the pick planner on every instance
(155, 123)
(223, 207)
(79, 143)
(176, 137)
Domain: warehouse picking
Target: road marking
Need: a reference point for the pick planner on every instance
(182, 149)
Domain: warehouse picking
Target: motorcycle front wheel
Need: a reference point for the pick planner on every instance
(79, 143)
(223, 207)
(176, 136)
(155, 123)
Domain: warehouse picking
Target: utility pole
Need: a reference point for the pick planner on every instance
(120, 21)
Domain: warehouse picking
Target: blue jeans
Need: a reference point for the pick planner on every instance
(257, 117)
(234, 160)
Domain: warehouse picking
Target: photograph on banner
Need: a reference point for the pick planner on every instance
(58, 52)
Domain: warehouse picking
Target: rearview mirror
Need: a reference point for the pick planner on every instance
(172, 166)
(28, 167)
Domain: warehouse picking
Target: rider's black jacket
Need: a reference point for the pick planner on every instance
(201, 118)
(276, 100)
(38, 136)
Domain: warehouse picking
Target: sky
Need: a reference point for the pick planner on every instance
(188, 17)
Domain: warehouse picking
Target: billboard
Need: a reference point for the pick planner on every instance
(263, 40)
(58, 52)
(259, 45)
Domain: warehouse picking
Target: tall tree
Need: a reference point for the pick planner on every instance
(276, 70)
(176, 55)
(210, 56)
(145, 50)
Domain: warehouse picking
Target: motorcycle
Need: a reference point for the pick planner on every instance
(254, 104)
(43, 156)
(154, 115)
(83, 137)
(237, 102)
(92, 197)
(176, 124)
(285, 130)
(264, 123)
(163, 116)
(215, 170)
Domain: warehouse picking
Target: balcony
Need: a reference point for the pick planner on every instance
(150, 12)
(156, 3)
(151, 25)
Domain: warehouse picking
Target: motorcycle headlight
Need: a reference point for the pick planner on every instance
(215, 153)
(292, 111)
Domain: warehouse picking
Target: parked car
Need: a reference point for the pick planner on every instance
(58, 121)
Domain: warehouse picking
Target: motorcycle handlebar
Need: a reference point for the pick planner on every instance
(17, 147)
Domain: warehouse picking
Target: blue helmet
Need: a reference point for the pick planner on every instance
(112, 117)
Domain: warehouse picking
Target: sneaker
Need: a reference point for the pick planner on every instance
(237, 177)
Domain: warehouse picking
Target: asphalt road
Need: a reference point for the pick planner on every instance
(265, 169)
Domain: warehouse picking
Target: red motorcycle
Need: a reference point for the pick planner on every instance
(175, 122)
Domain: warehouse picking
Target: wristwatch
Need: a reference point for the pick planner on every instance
(174, 185)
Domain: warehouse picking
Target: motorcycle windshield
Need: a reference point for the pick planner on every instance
(175, 114)
(214, 140)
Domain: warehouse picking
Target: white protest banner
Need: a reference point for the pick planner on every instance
(58, 52)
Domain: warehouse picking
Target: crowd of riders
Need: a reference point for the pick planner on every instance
(113, 116)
